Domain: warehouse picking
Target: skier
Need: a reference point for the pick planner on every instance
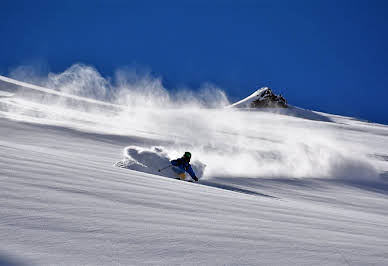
(182, 165)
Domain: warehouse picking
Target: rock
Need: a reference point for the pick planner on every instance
(267, 99)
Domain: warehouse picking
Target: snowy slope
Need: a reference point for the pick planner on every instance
(277, 190)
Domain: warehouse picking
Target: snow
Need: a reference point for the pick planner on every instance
(276, 190)
(246, 102)
(25, 85)
(245, 105)
(155, 160)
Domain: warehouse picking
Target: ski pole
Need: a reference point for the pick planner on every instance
(160, 170)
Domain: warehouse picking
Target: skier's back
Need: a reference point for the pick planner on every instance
(182, 165)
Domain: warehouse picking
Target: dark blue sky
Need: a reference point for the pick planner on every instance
(323, 55)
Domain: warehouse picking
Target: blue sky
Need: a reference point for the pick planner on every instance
(323, 55)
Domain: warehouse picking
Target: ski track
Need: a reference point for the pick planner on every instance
(62, 201)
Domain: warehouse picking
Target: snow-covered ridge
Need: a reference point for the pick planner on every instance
(53, 92)
(263, 97)
(260, 100)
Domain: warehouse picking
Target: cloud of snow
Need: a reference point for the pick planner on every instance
(231, 143)
(129, 87)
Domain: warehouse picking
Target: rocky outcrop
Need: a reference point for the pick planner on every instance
(268, 99)
(262, 98)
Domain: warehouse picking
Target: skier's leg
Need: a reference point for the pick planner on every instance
(182, 176)
(180, 173)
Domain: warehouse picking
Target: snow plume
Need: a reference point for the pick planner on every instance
(145, 91)
(130, 87)
(140, 89)
(82, 81)
(232, 143)
(236, 144)
(35, 74)
(151, 160)
(259, 145)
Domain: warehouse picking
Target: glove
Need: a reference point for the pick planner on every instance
(195, 178)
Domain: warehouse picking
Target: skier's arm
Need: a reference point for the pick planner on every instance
(174, 162)
(191, 173)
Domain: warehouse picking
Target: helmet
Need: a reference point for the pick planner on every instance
(187, 155)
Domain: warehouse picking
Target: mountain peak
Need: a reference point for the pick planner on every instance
(262, 98)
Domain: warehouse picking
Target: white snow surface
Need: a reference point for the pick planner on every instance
(275, 189)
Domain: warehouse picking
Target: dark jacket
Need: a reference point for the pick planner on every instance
(185, 166)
